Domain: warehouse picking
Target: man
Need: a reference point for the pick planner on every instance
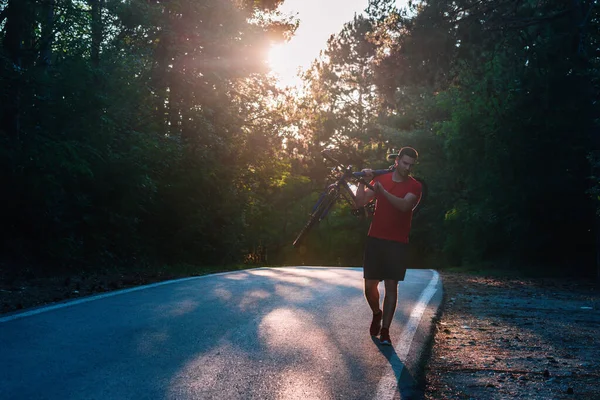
(386, 252)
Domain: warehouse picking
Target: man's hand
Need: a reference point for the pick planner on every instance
(368, 173)
(364, 195)
(379, 189)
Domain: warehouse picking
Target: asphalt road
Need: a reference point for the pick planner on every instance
(284, 333)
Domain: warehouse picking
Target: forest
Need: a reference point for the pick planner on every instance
(140, 133)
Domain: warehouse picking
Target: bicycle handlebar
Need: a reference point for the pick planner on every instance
(357, 175)
(375, 172)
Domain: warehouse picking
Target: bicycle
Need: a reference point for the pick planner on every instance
(341, 188)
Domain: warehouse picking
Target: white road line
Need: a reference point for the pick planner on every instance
(387, 386)
(107, 294)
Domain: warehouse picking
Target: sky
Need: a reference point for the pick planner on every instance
(319, 19)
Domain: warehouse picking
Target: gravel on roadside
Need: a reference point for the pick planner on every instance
(507, 338)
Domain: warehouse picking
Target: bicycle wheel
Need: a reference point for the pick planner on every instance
(320, 211)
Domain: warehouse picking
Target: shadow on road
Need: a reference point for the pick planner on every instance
(406, 384)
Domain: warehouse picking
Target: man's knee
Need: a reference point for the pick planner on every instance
(391, 285)
(371, 282)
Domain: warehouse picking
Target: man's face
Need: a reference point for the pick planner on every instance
(404, 164)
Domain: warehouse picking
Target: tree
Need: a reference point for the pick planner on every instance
(507, 84)
(120, 117)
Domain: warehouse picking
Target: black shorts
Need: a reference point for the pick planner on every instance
(385, 259)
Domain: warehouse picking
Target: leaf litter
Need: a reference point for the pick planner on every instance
(502, 338)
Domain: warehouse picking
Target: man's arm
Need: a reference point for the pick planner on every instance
(363, 194)
(404, 204)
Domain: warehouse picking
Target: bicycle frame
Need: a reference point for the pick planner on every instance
(332, 193)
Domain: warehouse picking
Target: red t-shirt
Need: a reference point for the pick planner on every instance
(388, 222)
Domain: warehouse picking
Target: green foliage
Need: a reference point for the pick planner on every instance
(151, 132)
(512, 115)
(499, 102)
(146, 154)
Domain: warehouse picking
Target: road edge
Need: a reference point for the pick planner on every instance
(412, 386)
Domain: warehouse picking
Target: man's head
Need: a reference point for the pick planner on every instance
(406, 158)
(409, 151)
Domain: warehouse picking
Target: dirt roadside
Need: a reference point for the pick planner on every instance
(506, 338)
(26, 290)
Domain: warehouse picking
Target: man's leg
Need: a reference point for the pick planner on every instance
(372, 294)
(389, 307)
(389, 301)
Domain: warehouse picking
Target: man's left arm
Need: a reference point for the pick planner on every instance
(406, 203)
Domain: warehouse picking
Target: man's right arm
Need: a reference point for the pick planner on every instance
(363, 194)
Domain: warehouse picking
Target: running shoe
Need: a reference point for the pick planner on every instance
(376, 324)
(384, 338)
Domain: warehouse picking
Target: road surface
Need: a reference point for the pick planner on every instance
(281, 333)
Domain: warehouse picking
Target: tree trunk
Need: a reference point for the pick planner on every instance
(175, 95)
(97, 29)
(160, 77)
(16, 23)
(47, 34)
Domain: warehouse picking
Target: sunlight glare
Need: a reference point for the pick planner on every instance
(276, 61)
(285, 63)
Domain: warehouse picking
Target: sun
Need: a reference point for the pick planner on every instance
(284, 64)
(277, 57)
